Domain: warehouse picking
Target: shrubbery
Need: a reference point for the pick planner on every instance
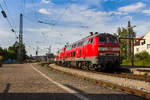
(142, 58)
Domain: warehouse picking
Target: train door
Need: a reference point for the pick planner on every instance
(84, 48)
(90, 47)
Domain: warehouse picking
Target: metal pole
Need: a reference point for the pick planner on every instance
(20, 51)
(132, 52)
(129, 41)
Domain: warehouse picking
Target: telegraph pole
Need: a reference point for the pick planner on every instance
(20, 51)
(37, 51)
(130, 44)
(49, 50)
(129, 41)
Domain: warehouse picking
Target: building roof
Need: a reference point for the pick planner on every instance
(137, 41)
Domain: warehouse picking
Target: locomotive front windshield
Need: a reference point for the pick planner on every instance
(113, 39)
(103, 39)
(106, 39)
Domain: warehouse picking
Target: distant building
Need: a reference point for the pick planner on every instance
(140, 45)
(40, 58)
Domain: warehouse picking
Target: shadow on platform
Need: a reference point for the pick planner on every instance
(65, 96)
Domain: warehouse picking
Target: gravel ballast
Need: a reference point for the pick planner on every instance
(130, 83)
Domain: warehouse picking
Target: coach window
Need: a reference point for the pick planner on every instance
(79, 44)
(89, 42)
(92, 40)
(74, 53)
(85, 42)
(82, 43)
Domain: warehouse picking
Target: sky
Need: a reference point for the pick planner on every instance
(66, 21)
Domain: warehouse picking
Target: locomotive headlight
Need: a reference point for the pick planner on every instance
(102, 48)
(115, 49)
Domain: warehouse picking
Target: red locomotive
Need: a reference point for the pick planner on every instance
(98, 51)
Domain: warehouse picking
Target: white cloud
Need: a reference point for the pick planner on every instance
(45, 1)
(76, 16)
(6, 38)
(132, 8)
(146, 11)
(44, 11)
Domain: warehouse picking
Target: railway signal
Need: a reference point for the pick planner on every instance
(130, 49)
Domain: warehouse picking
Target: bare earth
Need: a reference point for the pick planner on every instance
(32, 82)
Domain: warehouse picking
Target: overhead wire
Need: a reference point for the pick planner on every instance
(24, 7)
(5, 3)
(34, 9)
(6, 6)
(12, 29)
(60, 17)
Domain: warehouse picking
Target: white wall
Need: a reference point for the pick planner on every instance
(143, 47)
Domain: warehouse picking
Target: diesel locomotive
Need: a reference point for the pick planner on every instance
(96, 51)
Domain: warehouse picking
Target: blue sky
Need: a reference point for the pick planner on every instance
(69, 20)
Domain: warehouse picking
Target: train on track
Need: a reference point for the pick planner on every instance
(99, 51)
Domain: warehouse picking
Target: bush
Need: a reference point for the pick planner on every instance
(142, 56)
(140, 59)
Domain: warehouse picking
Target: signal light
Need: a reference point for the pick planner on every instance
(4, 14)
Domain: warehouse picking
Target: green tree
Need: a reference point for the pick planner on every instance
(12, 52)
(24, 52)
(123, 32)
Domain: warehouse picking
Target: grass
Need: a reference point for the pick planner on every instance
(140, 59)
(136, 62)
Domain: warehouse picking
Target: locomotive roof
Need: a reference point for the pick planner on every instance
(89, 37)
(94, 35)
(86, 38)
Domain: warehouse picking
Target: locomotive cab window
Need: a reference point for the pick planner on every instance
(103, 39)
(112, 39)
(90, 41)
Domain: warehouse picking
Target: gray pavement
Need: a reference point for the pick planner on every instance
(33, 82)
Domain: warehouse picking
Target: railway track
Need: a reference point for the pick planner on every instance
(120, 73)
(129, 76)
(109, 84)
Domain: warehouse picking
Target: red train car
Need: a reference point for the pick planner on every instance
(97, 51)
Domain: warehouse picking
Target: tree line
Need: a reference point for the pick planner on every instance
(12, 52)
(123, 32)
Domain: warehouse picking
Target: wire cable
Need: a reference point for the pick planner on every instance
(9, 22)
(24, 6)
(5, 3)
(34, 9)
(12, 19)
